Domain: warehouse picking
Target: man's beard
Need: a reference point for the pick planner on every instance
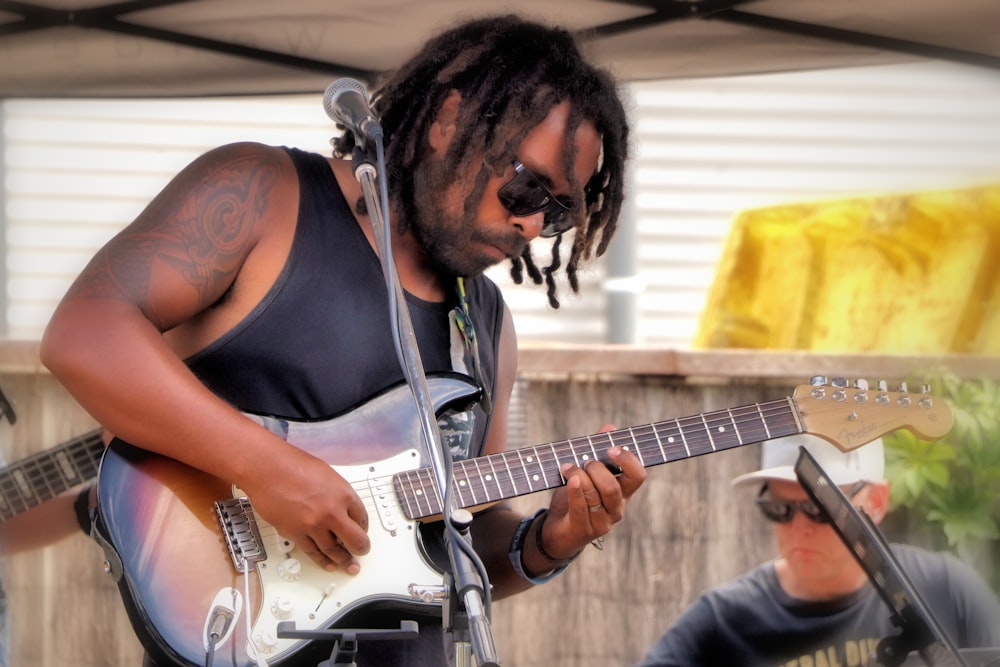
(448, 244)
(450, 239)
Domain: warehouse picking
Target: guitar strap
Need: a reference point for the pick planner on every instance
(465, 345)
(457, 427)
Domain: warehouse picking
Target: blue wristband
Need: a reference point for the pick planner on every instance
(517, 550)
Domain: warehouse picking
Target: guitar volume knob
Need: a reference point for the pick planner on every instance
(289, 569)
(265, 642)
(282, 608)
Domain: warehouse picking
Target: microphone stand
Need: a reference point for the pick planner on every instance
(466, 613)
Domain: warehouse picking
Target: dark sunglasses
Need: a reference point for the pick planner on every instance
(783, 511)
(525, 195)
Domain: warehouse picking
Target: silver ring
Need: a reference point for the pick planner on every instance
(596, 508)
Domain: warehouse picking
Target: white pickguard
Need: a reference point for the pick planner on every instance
(294, 588)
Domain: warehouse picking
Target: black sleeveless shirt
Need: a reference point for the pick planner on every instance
(319, 343)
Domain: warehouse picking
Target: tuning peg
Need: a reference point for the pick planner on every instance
(839, 382)
(861, 384)
(817, 380)
(926, 401)
(902, 387)
(882, 397)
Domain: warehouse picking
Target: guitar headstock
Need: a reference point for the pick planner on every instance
(852, 414)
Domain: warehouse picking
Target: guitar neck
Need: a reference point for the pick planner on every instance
(508, 474)
(45, 475)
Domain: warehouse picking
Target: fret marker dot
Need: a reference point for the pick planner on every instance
(462, 483)
(722, 429)
(420, 492)
(534, 478)
(670, 439)
(586, 457)
(489, 478)
(531, 459)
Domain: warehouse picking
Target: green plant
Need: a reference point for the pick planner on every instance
(953, 484)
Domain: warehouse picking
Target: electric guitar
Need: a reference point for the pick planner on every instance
(195, 562)
(45, 475)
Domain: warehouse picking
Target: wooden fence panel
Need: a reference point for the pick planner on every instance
(684, 531)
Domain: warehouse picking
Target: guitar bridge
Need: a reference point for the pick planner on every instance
(239, 528)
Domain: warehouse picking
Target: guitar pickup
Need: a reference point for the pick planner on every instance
(239, 528)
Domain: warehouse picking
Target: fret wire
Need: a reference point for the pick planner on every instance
(605, 440)
(717, 429)
(752, 424)
(12, 496)
(425, 504)
(420, 496)
(38, 474)
(708, 432)
(680, 430)
(593, 450)
(398, 483)
(510, 474)
(572, 451)
(764, 421)
(80, 459)
(670, 444)
(479, 478)
(496, 478)
(27, 490)
(532, 477)
(555, 458)
(524, 469)
(736, 428)
(425, 501)
(460, 473)
(15, 495)
(435, 503)
(69, 470)
(659, 443)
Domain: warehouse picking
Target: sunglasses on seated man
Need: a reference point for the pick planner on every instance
(783, 511)
(525, 195)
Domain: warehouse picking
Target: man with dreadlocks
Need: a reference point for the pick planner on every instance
(250, 285)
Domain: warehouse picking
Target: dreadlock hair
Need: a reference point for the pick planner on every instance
(510, 72)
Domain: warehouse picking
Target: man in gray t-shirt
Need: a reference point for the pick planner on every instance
(814, 605)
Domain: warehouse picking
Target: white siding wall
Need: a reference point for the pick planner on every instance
(79, 170)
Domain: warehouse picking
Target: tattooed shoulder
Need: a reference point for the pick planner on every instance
(200, 228)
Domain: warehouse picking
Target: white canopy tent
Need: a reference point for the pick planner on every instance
(61, 51)
(170, 48)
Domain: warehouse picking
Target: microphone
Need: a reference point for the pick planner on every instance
(346, 102)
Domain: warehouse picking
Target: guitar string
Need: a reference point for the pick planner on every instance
(657, 438)
(648, 437)
(639, 436)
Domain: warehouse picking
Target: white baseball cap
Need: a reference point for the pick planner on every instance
(778, 457)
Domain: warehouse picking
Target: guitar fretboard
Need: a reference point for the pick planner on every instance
(508, 474)
(45, 475)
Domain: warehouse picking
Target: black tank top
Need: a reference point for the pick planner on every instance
(319, 343)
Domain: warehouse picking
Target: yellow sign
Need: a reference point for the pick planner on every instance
(915, 274)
